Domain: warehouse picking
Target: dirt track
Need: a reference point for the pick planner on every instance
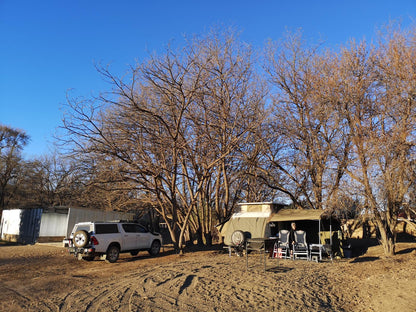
(46, 278)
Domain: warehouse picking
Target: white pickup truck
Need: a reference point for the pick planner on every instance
(109, 239)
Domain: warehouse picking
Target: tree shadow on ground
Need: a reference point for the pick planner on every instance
(279, 269)
(168, 250)
(196, 248)
(405, 251)
(364, 259)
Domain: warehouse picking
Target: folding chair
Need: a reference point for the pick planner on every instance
(300, 248)
(283, 244)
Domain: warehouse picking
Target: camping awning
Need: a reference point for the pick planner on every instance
(296, 215)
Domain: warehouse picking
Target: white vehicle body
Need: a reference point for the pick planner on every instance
(91, 239)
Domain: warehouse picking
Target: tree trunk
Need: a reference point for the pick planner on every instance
(386, 238)
(208, 239)
(199, 237)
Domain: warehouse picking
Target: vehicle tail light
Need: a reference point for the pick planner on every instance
(94, 240)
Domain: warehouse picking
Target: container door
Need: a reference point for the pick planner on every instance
(30, 225)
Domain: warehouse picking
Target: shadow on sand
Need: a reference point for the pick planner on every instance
(279, 269)
(364, 259)
(405, 251)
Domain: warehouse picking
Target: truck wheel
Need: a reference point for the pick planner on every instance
(155, 248)
(112, 254)
(81, 238)
(237, 238)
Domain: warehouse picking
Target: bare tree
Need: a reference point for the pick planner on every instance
(307, 145)
(142, 129)
(51, 181)
(227, 112)
(12, 142)
(175, 130)
(396, 73)
(142, 126)
(377, 98)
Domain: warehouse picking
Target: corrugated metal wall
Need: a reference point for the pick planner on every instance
(29, 225)
(76, 215)
(54, 224)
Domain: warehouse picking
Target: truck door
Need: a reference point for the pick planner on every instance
(130, 237)
(137, 237)
(144, 238)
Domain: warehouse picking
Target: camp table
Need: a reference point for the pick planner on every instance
(264, 245)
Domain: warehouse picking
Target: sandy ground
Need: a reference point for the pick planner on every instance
(47, 278)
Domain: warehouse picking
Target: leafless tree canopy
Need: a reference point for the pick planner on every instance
(308, 146)
(176, 130)
(347, 121)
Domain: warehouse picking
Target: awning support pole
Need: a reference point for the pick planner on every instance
(319, 224)
(330, 234)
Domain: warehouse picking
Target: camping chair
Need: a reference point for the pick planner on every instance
(301, 247)
(283, 244)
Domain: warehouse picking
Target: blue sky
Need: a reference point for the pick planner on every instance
(50, 47)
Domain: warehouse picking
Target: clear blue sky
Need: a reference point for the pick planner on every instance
(50, 47)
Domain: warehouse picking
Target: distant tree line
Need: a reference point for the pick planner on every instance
(193, 131)
(52, 180)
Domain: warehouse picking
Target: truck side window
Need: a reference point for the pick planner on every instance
(140, 229)
(133, 228)
(107, 228)
(128, 228)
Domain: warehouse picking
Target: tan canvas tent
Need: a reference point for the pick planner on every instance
(252, 227)
(251, 219)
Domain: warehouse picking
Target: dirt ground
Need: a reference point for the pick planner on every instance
(46, 278)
